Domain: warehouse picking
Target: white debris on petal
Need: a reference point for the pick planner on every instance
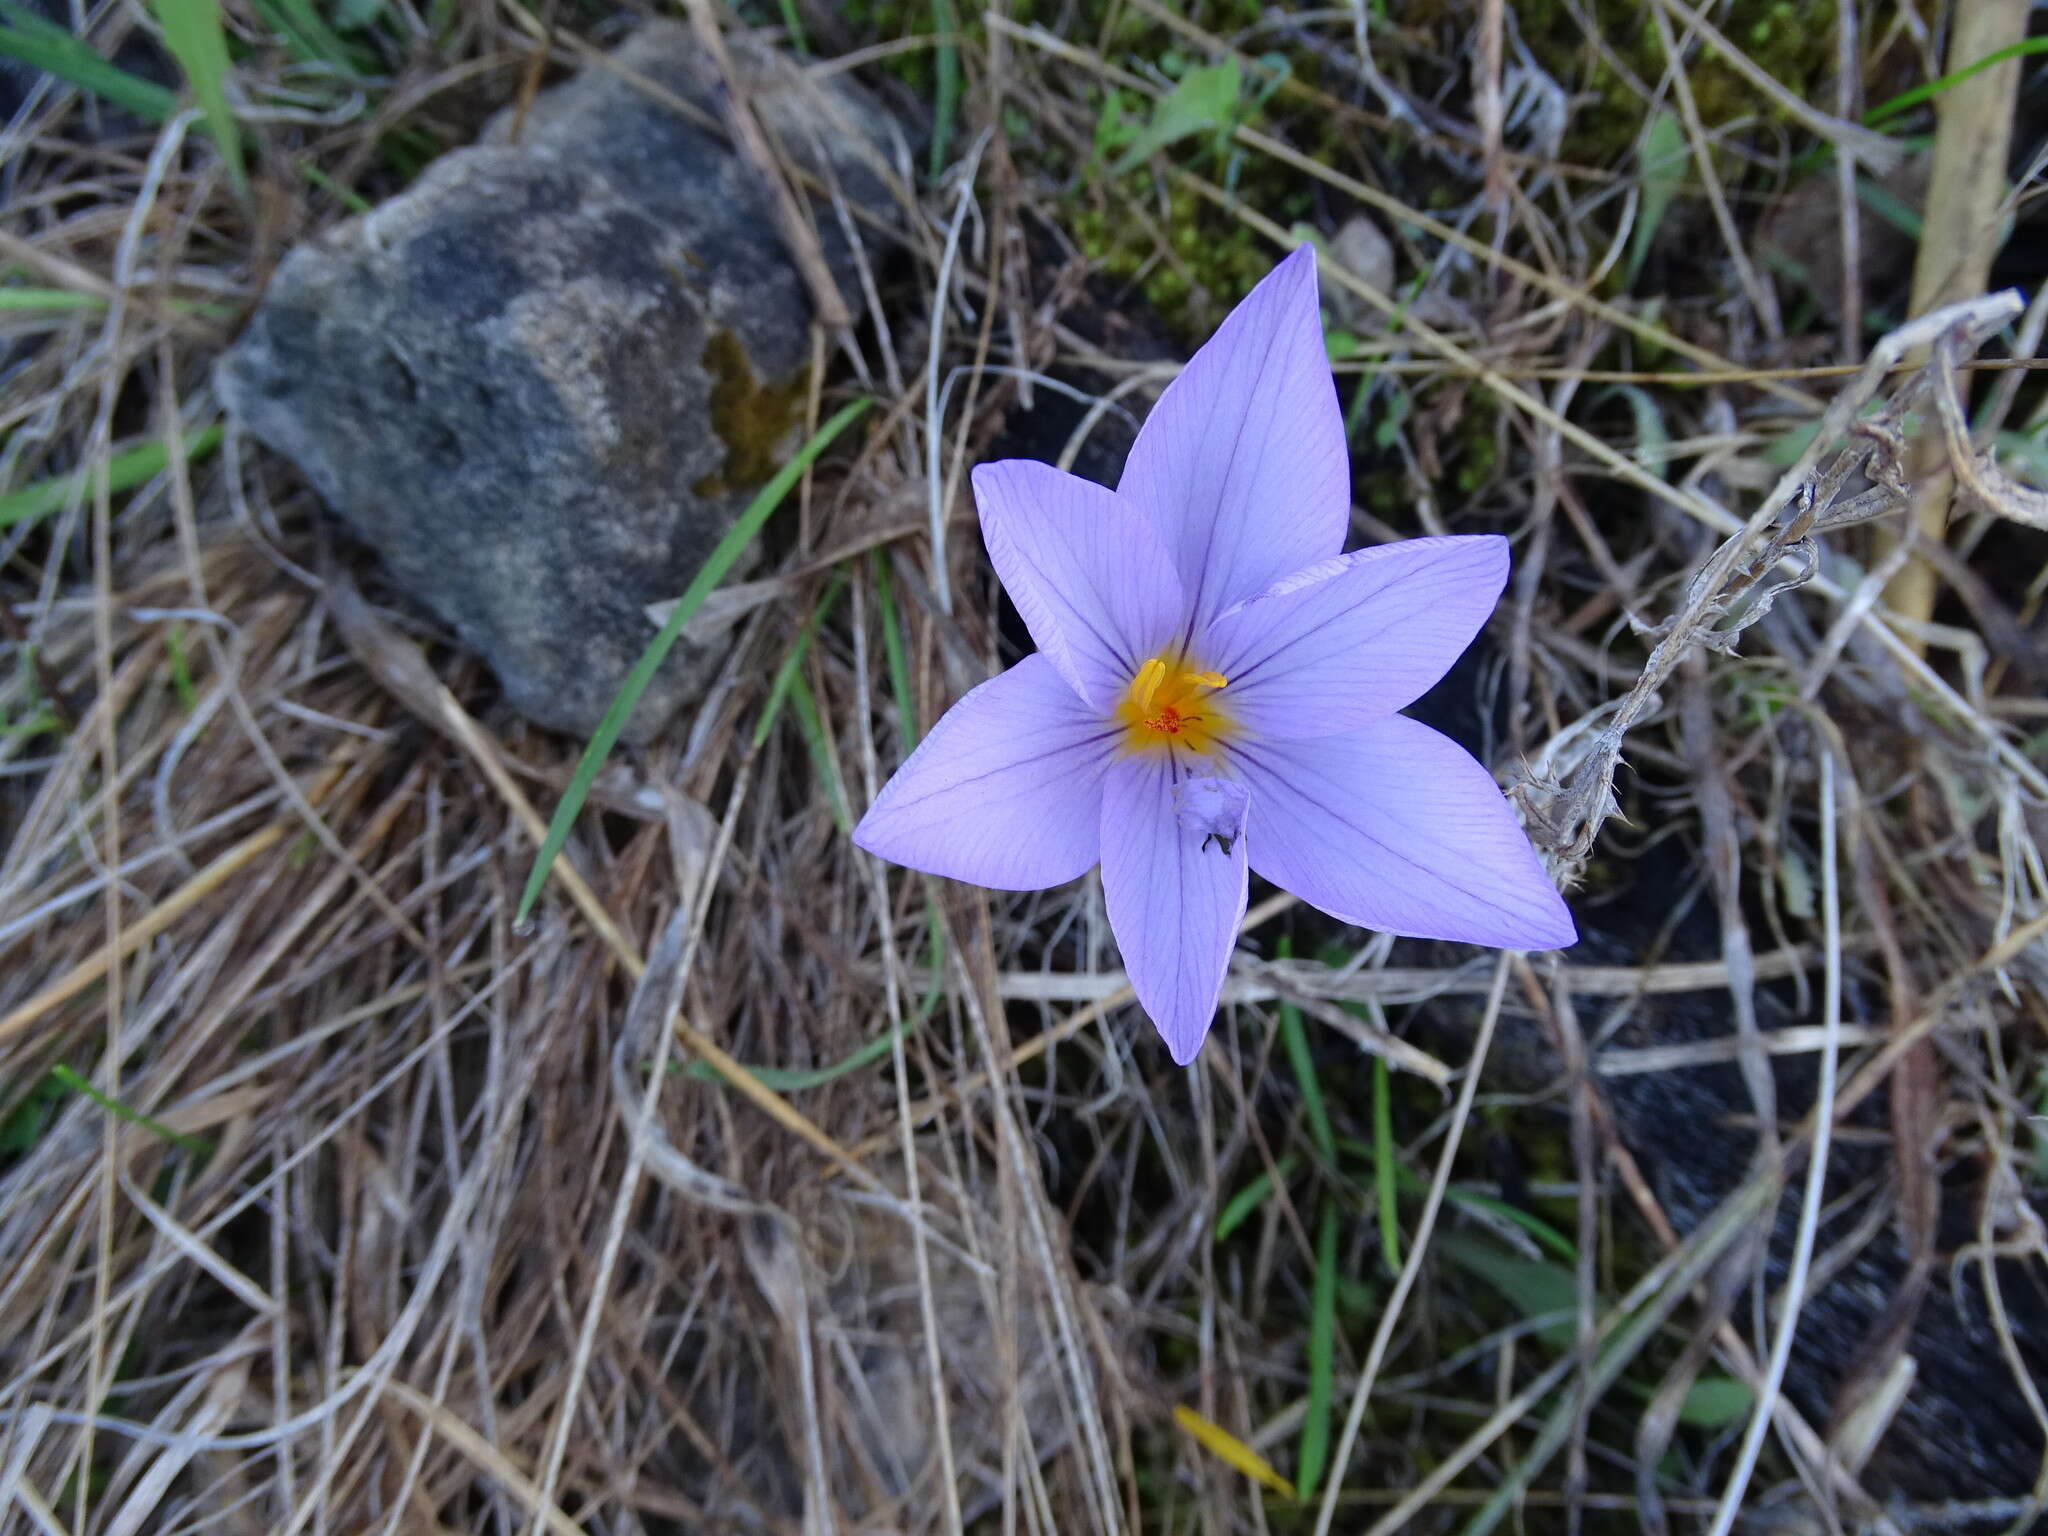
(1211, 808)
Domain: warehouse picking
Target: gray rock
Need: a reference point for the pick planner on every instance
(542, 382)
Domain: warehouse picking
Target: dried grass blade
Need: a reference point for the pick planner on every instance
(134, 935)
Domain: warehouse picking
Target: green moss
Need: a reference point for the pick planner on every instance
(1216, 258)
(1474, 449)
(752, 419)
(1793, 43)
(1383, 493)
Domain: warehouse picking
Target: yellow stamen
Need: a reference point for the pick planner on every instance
(1171, 705)
(1147, 682)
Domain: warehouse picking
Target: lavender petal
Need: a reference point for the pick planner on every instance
(1242, 465)
(1090, 577)
(1005, 792)
(1174, 903)
(1395, 827)
(1355, 638)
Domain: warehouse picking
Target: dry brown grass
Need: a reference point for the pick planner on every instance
(414, 1220)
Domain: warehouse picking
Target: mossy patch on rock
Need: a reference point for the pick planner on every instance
(753, 420)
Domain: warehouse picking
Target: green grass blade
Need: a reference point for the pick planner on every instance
(1620, 1336)
(720, 561)
(125, 470)
(1238, 1209)
(1890, 207)
(349, 198)
(805, 708)
(946, 91)
(1322, 1345)
(40, 300)
(934, 950)
(1295, 1038)
(306, 36)
(1383, 1170)
(1662, 160)
(1906, 101)
(43, 44)
(897, 653)
(193, 33)
(1542, 1231)
(793, 24)
(786, 674)
(120, 1111)
(44, 722)
(794, 1079)
(181, 669)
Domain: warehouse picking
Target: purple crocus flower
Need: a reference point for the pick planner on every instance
(1215, 688)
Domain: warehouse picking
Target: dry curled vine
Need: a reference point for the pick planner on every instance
(1775, 552)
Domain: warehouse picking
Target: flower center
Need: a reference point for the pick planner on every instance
(1170, 704)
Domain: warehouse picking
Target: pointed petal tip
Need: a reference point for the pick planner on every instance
(1552, 927)
(1181, 1028)
(1294, 280)
(865, 838)
(870, 836)
(1181, 1022)
(1558, 932)
(1490, 554)
(1303, 255)
(1243, 465)
(1395, 827)
(1186, 1047)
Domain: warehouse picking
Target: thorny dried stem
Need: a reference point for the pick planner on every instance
(1569, 793)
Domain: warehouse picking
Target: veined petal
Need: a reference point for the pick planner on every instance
(1175, 899)
(1395, 827)
(1355, 638)
(1090, 577)
(1242, 465)
(1005, 792)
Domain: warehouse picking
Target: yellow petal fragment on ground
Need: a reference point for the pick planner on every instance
(1226, 1447)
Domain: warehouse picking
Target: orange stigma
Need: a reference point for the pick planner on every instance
(1170, 704)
